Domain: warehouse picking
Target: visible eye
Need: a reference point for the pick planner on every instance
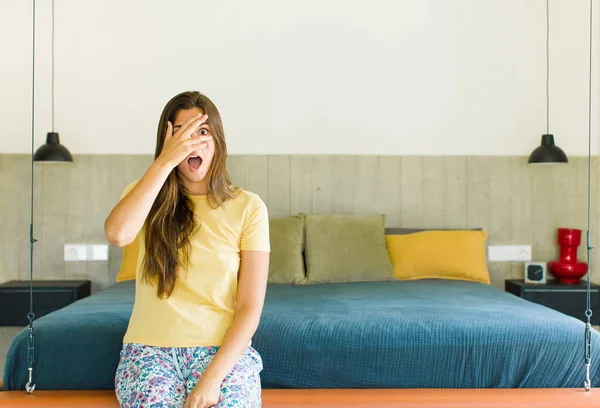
(204, 131)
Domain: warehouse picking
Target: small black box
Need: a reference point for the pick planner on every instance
(569, 299)
(48, 296)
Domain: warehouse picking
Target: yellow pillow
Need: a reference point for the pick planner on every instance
(129, 262)
(458, 255)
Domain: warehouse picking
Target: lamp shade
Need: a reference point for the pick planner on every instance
(52, 150)
(548, 152)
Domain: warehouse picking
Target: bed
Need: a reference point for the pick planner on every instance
(418, 334)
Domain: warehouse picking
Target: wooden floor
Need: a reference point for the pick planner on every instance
(384, 398)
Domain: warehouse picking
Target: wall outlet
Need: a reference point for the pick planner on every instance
(75, 252)
(83, 252)
(518, 253)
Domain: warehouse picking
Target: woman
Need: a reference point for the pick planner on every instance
(202, 270)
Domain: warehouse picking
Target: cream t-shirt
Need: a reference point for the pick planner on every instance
(202, 305)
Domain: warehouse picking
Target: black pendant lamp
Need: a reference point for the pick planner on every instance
(547, 152)
(52, 150)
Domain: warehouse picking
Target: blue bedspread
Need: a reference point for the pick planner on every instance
(431, 333)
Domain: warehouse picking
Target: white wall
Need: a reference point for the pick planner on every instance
(453, 77)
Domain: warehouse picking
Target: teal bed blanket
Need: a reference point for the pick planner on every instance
(420, 334)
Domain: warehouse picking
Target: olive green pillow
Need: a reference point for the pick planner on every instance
(287, 245)
(346, 248)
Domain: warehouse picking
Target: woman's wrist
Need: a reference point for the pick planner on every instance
(212, 377)
(162, 165)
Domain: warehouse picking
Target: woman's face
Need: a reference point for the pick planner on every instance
(195, 167)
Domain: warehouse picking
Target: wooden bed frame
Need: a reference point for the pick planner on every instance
(317, 398)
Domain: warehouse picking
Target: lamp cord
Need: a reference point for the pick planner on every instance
(547, 67)
(588, 311)
(52, 66)
(30, 387)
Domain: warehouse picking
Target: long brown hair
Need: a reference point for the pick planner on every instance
(171, 221)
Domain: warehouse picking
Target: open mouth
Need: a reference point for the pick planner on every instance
(194, 162)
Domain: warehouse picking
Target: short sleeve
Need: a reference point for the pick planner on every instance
(127, 189)
(255, 232)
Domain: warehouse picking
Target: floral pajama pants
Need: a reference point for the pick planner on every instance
(150, 376)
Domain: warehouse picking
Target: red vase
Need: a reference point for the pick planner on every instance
(567, 269)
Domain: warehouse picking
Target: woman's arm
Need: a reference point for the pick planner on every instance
(127, 218)
(252, 285)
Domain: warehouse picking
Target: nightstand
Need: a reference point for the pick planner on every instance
(567, 299)
(48, 296)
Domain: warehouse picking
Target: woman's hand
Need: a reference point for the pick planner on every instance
(179, 145)
(205, 394)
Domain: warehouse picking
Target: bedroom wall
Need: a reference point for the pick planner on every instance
(390, 77)
(514, 202)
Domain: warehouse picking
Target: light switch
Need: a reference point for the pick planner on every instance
(100, 252)
(83, 252)
(499, 253)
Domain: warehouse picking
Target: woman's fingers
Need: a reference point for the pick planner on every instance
(188, 122)
(197, 139)
(195, 146)
(169, 130)
(202, 138)
(189, 129)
